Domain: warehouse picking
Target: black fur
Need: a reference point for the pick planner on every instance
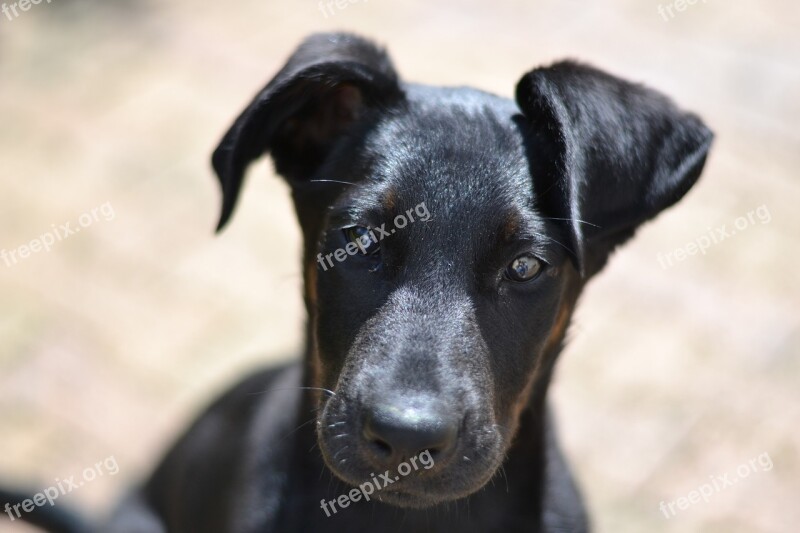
(427, 338)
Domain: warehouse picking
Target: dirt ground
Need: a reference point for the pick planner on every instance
(676, 375)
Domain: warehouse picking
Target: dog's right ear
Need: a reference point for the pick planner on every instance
(329, 82)
(611, 154)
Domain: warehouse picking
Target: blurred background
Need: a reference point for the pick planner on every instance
(682, 366)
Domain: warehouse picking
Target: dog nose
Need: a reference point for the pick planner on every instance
(399, 430)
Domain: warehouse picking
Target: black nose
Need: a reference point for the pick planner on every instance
(402, 429)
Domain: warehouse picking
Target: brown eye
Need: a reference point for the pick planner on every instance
(362, 238)
(524, 268)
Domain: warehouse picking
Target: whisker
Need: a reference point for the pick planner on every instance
(573, 220)
(542, 236)
(328, 391)
(332, 181)
(503, 472)
(340, 451)
(307, 422)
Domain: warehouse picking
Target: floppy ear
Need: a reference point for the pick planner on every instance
(608, 154)
(329, 83)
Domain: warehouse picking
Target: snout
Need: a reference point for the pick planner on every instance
(431, 447)
(397, 429)
(414, 403)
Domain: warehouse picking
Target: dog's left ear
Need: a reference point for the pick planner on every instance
(608, 154)
(330, 83)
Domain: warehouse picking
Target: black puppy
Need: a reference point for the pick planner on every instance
(448, 233)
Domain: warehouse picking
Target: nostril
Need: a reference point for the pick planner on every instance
(403, 430)
(381, 447)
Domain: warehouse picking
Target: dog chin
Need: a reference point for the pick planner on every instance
(408, 500)
(422, 493)
(419, 497)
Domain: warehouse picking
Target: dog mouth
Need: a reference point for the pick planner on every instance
(406, 480)
(418, 490)
(407, 499)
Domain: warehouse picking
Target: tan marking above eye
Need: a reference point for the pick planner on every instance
(389, 200)
(510, 227)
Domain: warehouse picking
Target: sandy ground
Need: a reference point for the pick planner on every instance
(113, 339)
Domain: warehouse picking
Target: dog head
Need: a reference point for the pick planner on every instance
(448, 233)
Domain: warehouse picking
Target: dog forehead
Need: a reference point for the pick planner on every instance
(458, 150)
(427, 97)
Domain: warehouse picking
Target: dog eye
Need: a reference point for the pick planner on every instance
(361, 237)
(524, 268)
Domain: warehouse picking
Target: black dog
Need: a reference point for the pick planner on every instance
(448, 233)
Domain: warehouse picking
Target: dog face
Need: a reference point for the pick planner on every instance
(448, 233)
(431, 342)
